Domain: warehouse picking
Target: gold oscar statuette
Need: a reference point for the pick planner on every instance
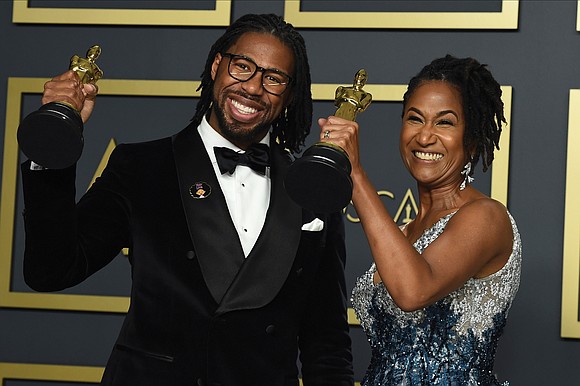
(352, 100)
(52, 136)
(320, 179)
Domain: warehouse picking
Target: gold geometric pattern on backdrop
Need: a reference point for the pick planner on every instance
(158, 88)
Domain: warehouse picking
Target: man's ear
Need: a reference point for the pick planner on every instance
(214, 66)
(289, 98)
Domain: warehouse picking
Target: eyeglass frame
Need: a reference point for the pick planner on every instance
(258, 69)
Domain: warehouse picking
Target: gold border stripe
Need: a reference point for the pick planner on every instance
(8, 189)
(500, 166)
(22, 13)
(570, 326)
(381, 92)
(578, 16)
(26, 371)
(55, 373)
(506, 19)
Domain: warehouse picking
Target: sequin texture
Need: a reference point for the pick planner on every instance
(451, 342)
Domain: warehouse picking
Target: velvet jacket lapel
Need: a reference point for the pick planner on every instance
(266, 268)
(212, 231)
(235, 282)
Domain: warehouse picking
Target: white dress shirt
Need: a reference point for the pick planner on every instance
(247, 193)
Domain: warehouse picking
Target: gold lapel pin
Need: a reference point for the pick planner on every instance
(200, 190)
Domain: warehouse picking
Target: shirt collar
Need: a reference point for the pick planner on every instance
(212, 138)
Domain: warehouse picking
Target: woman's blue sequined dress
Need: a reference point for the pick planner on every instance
(451, 342)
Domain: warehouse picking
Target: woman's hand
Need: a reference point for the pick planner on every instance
(343, 133)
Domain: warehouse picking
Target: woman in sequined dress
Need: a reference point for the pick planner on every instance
(436, 298)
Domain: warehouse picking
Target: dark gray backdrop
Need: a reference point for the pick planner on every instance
(539, 60)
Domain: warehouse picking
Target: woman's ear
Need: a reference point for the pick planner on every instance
(470, 151)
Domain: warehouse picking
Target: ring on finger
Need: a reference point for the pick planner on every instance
(327, 134)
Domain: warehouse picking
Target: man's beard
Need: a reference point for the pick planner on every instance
(233, 131)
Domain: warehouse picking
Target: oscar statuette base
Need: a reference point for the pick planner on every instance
(52, 136)
(320, 180)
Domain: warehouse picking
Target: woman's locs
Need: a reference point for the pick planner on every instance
(52, 136)
(320, 179)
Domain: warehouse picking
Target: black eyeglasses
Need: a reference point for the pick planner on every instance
(243, 69)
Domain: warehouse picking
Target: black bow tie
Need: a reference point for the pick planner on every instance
(257, 157)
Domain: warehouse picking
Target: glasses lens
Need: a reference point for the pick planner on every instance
(241, 69)
(275, 82)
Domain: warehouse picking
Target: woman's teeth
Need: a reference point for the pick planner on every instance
(428, 156)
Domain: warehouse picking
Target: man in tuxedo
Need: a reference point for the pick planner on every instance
(231, 281)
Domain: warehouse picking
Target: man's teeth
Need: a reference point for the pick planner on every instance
(428, 156)
(242, 108)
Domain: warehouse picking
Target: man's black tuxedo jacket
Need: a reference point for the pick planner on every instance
(200, 313)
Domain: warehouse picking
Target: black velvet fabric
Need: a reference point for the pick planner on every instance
(200, 313)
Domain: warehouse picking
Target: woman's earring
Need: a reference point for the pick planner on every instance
(467, 179)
